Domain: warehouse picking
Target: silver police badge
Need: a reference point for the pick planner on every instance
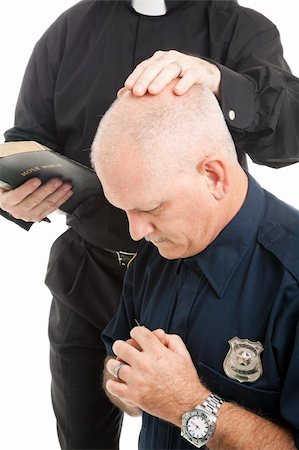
(243, 361)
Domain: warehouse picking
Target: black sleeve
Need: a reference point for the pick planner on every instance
(35, 110)
(259, 94)
(34, 115)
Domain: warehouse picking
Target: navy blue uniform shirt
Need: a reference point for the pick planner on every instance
(244, 284)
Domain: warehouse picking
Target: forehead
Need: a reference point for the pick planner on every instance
(131, 185)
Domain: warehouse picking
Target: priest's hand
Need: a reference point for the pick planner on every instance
(155, 73)
(33, 201)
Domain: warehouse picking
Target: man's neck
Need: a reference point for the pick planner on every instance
(238, 193)
(150, 7)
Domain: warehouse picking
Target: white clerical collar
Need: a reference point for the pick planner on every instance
(150, 7)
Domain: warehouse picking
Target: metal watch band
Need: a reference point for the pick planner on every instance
(212, 404)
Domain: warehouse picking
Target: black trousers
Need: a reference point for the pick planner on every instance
(86, 285)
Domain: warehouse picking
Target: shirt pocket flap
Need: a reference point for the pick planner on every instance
(261, 401)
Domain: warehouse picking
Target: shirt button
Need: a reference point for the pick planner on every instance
(231, 114)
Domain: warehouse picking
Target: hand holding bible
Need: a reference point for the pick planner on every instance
(32, 201)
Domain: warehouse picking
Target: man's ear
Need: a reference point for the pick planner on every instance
(216, 175)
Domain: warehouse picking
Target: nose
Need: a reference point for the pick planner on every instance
(139, 225)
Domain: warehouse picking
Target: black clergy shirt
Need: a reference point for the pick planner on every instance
(245, 285)
(83, 59)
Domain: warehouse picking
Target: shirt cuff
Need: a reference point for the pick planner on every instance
(237, 98)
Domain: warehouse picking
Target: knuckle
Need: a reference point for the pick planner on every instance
(51, 204)
(152, 69)
(141, 66)
(192, 73)
(148, 334)
(34, 201)
(52, 185)
(159, 53)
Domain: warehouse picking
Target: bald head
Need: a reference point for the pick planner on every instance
(167, 131)
(169, 162)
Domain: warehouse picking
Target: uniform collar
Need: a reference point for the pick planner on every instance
(219, 261)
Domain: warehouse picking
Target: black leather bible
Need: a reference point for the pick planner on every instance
(22, 160)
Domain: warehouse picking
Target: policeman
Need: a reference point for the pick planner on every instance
(217, 281)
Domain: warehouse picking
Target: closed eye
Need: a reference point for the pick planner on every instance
(155, 211)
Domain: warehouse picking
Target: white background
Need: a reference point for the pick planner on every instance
(27, 421)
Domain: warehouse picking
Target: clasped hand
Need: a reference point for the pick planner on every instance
(159, 376)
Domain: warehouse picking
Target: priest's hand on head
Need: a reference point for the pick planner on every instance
(155, 73)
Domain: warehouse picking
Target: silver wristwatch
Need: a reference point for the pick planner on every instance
(198, 425)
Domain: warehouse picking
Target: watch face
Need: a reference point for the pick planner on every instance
(197, 426)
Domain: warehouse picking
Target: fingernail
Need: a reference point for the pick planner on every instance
(57, 183)
(69, 194)
(178, 90)
(129, 81)
(138, 88)
(67, 187)
(154, 85)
